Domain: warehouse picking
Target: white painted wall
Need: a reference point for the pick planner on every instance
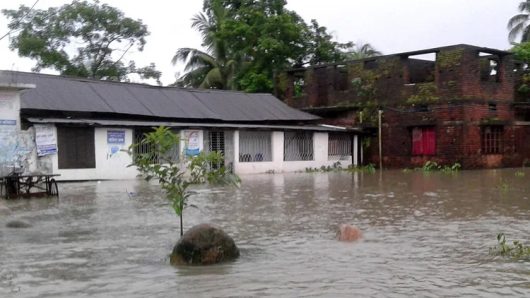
(108, 166)
(278, 165)
(114, 167)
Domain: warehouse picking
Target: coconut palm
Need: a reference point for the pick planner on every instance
(211, 68)
(519, 24)
(363, 50)
(204, 70)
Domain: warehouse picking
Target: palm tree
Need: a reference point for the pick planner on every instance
(519, 23)
(363, 50)
(211, 68)
(203, 70)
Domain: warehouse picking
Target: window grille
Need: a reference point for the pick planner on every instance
(492, 139)
(216, 143)
(255, 146)
(339, 146)
(298, 146)
(139, 135)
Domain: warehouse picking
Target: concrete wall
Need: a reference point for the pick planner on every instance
(113, 166)
(278, 165)
(108, 165)
(16, 145)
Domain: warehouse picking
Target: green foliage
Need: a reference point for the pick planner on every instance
(159, 164)
(322, 49)
(449, 59)
(519, 174)
(518, 24)
(362, 51)
(83, 38)
(249, 41)
(521, 51)
(336, 167)
(524, 88)
(369, 168)
(517, 250)
(432, 166)
(425, 94)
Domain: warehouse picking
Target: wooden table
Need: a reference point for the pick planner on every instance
(17, 185)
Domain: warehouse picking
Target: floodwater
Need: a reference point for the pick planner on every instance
(425, 235)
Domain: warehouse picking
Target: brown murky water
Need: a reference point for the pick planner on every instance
(424, 236)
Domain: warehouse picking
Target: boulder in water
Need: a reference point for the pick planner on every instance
(349, 233)
(204, 244)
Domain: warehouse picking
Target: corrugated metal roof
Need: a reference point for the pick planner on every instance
(59, 93)
(128, 123)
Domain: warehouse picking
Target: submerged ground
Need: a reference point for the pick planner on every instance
(424, 235)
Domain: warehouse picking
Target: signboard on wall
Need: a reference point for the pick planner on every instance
(45, 139)
(193, 142)
(115, 142)
(116, 137)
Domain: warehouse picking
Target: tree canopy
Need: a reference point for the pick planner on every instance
(519, 24)
(85, 39)
(248, 41)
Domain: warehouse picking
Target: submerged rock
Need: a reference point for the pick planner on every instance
(349, 233)
(18, 224)
(204, 244)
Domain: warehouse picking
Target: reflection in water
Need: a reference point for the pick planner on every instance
(424, 235)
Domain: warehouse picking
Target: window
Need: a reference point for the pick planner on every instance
(339, 146)
(216, 143)
(489, 67)
(492, 139)
(299, 85)
(298, 146)
(255, 146)
(76, 147)
(421, 68)
(423, 141)
(492, 106)
(139, 135)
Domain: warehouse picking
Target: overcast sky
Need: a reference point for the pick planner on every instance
(391, 26)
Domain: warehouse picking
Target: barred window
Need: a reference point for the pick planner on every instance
(298, 146)
(216, 141)
(139, 135)
(255, 146)
(492, 139)
(339, 146)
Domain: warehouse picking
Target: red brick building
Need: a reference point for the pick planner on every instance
(451, 104)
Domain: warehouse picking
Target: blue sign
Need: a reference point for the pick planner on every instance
(115, 137)
(192, 152)
(8, 122)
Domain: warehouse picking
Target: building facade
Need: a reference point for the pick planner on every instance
(83, 129)
(456, 104)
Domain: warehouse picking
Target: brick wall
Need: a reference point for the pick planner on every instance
(463, 90)
(458, 136)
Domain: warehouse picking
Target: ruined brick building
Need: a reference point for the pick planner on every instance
(450, 104)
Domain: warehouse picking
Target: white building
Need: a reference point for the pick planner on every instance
(81, 129)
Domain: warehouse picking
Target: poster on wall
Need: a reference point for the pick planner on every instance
(115, 142)
(45, 139)
(8, 140)
(192, 138)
